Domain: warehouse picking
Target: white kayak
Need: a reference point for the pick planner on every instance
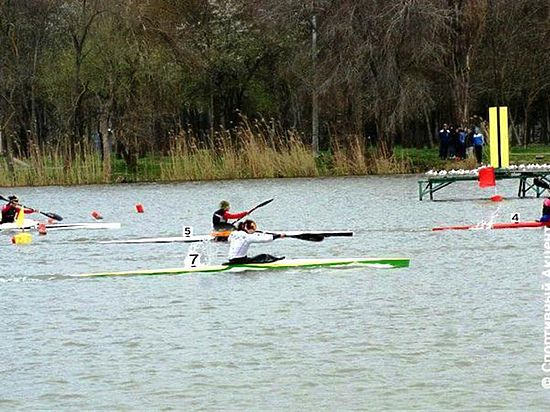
(93, 225)
(379, 263)
(30, 224)
(173, 239)
(27, 224)
(315, 235)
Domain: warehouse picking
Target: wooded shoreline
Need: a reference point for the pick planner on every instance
(129, 78)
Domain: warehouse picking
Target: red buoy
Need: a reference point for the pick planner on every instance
(96, 215)
(139, 208)
(496, 198)
(42, 229)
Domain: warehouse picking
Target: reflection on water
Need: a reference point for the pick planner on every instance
(461, 328)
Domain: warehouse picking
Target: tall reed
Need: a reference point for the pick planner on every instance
(254, 149)
(58, 165)
(351, 156)
(248, 151)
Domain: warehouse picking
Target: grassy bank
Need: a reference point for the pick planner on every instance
(244, 155)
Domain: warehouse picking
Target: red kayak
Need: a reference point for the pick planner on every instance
(511, 225)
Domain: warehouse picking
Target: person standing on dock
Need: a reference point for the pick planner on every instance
(241, 239)
(444, 137)
(10, 210)
(469, 143)
(461, 149)
(221, 217)
(478, 141)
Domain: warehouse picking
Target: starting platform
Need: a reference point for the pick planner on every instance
(432, 184)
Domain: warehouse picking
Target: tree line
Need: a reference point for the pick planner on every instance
(134, 75)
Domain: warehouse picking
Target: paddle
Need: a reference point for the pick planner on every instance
(265, 202)
(541, 183)
(310, 237)
(47, 214)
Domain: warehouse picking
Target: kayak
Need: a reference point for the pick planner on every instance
(512, 225)
(380, 263)
(94, 225)
(29, 224)
(223, 236)
(173, 239)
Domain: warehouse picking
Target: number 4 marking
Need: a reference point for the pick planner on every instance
(515, 217)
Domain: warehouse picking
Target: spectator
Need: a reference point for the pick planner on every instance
(478, 142)
(469, 143)
(461, 143)
(444, 137)
(453, 142)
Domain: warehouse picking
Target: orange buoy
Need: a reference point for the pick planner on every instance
(42, 229)
(96, 215)
(139, 208)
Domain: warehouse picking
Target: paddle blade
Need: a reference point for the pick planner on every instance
(265, 202)
(20, 219)
(51, 215)
(310, 237)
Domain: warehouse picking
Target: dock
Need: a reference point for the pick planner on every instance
(431, 184)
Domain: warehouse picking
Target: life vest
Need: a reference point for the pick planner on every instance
(8, 214)
(218, 218)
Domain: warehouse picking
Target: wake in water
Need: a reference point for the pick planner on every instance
(487, 224)
(31, 278)
(199, 254)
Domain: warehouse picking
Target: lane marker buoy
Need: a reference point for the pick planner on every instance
(23, 238)
(42, 229)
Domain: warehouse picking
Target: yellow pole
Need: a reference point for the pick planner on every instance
(498, 137)
(503, 127)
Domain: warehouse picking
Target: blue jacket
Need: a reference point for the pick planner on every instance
(478, 139)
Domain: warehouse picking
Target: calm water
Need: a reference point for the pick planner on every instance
(461, 328)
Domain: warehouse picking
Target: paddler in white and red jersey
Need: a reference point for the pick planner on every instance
(241, 239)
(545, 210)
(10, 210)
(221, 217)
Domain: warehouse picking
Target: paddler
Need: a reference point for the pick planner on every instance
(10, 209)
(221, 217)
(545, 210)
(241, 239)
